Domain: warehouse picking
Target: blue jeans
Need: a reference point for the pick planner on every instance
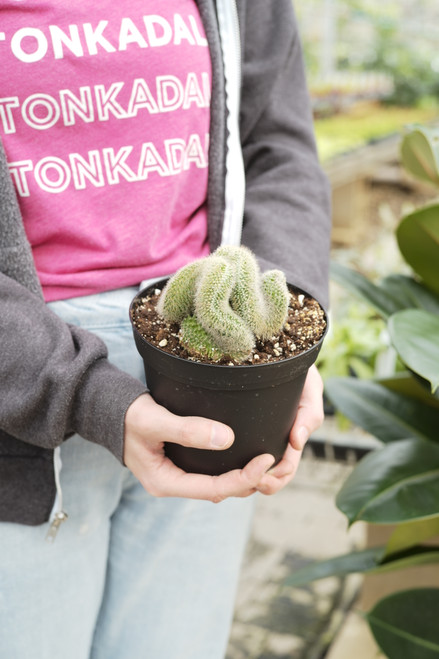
(129, 576)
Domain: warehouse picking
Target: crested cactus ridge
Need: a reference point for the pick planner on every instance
(223, 303)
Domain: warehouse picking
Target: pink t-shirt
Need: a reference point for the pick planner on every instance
(104, 114)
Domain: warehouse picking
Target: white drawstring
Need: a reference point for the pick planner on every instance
(235, 175)
(58, 515)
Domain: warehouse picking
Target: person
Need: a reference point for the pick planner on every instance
(137, 137)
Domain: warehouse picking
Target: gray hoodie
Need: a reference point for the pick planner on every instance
(55, 379)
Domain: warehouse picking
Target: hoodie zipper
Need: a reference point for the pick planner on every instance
(235, 177)
(59, 516)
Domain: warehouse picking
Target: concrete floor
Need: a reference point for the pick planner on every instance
(354, 640)
(296, 526)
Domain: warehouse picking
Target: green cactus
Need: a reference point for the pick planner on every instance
(177, 300)
(222, 303)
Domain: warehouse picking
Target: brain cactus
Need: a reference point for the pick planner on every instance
(223, 302)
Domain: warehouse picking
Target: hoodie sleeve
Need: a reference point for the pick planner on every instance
(287, 210)
(55, 378)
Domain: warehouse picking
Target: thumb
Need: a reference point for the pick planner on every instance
(310, 413)
(197, 432)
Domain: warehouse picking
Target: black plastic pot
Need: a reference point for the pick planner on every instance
(259, 402)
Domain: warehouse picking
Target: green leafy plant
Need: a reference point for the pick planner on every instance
(399, 483)
(354, 344)
(223, 302)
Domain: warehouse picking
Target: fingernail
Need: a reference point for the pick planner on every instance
(220, 437)
(302, 437)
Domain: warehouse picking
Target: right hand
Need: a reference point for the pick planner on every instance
(149, 425)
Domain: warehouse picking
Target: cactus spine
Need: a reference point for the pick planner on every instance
(222, 302)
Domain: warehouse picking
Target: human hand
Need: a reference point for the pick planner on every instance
(309, 418)
(149, 425)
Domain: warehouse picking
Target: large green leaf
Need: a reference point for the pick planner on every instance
(412, 533)
(410, 293)
(415, 556)
(356, 561)
(418, 239)
(397, 483)
(405, 624)
(427, 385)
(420, 154)
(369, 560)
(383, 413)
(383, 301)
(407, 384)
(415, 335)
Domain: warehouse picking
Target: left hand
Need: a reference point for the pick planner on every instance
(309, 418)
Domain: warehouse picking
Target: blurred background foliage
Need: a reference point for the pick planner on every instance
(373, 73)
(373, 60)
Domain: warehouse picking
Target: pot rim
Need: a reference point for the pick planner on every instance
(224, 367)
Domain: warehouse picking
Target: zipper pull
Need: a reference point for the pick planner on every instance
(59, 518)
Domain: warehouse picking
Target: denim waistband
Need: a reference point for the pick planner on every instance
(106, 309)
(98, 310)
